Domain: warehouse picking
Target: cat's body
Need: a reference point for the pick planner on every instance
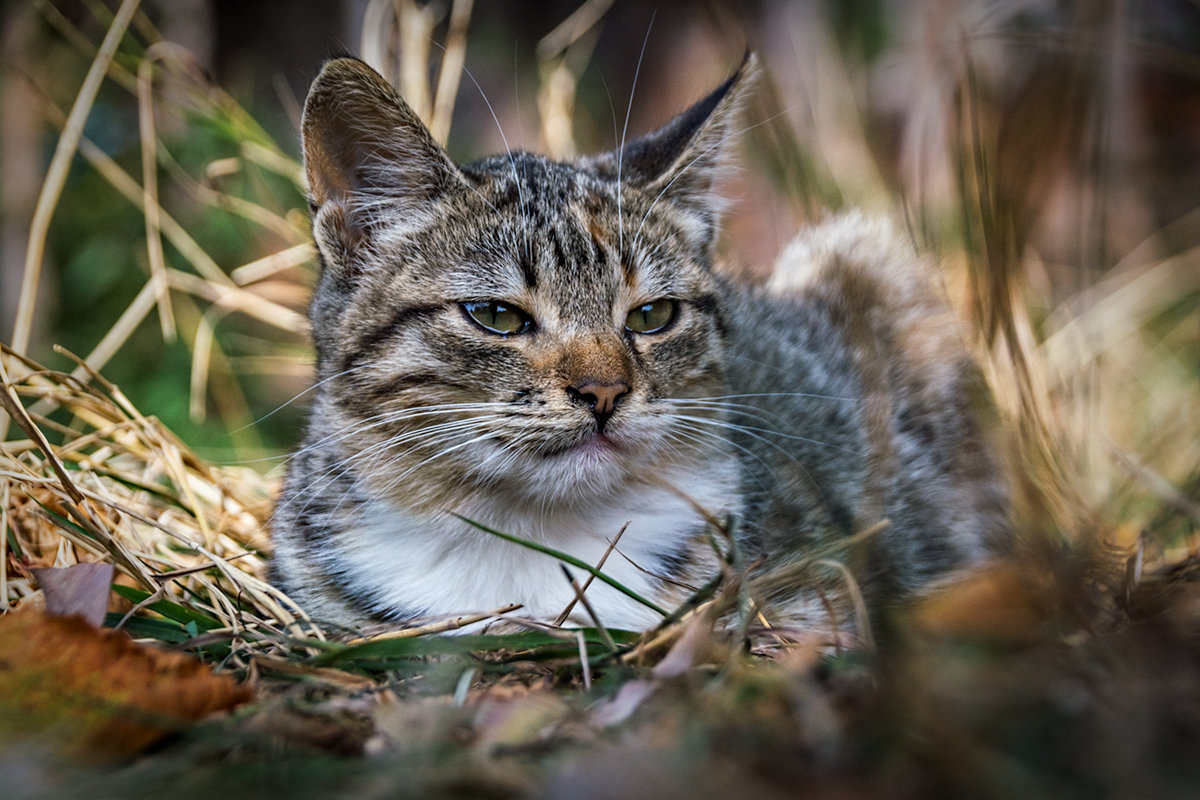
(545, 349)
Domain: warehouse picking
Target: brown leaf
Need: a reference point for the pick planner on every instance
(998, 602)
(81, 589)
(520, 721)
(97, 691)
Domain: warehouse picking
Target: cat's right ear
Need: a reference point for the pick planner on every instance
(680, 162)
(366, 153)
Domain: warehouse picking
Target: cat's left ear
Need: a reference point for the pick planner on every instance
(681, 160)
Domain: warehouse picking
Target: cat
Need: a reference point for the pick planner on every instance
(547, 350)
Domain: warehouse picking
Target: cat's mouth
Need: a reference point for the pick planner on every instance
(591, 444)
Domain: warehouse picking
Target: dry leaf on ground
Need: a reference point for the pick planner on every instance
(97, 691)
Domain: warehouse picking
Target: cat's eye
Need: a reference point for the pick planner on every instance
(651, 317)
(498, 318)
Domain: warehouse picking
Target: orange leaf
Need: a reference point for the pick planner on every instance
(999, 602)
(98, 691)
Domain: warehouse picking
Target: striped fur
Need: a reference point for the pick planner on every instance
(836, 396)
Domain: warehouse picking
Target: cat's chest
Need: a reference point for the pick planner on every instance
(412, 565)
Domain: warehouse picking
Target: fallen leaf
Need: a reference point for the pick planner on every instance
(97, 691)
(521, 721)
(81, 589)
(998, 602)
(628, 699)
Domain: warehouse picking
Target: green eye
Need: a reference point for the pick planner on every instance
(651, 317)
(498, 318)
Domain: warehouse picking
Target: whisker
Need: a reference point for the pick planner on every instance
(294, 398)
(754, 432)
(699, 435)
(512, 162)
(812, 395)
(347, 465)
(386, 418)
(446, 451)
(624, 131)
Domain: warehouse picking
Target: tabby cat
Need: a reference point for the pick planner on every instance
(545, 349)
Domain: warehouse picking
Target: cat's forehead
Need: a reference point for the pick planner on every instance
(533, 185)
(565, 223)
(534, 227)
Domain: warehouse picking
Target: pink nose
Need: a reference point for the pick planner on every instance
(602, 398)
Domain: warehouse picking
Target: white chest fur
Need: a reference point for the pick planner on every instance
(442, 566)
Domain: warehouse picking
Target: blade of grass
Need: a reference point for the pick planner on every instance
(450, 73)
(170, 610)
(569, 559)
(150, 207)
(56, 176)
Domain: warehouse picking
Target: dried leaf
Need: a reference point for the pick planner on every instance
(692, 648)
(999, 602)
(629, 698)
(81, 589)
(97, 691)
(520, 721)
(414, 725)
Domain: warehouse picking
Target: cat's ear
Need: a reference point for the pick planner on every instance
(366, 153)
(681, 160)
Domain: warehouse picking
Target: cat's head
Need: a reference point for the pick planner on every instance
(515, 321)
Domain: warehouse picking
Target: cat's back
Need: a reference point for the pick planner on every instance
(858, 403)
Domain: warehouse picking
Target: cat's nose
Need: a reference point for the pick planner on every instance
(602, 398)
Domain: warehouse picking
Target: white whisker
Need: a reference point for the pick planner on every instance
(624, 131)
(757, 433)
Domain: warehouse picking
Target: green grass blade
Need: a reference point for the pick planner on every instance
(170, 610)
(367, 654)
(568, 559)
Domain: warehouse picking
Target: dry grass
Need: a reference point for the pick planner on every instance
(117, 486)
(1096, 385)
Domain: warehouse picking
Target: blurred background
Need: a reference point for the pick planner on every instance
(1047, 151)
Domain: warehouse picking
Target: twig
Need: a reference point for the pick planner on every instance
(599, 565)
(56, 176)
(583, 655)
(856, 598)
(569, 559)
(582, 598)
(436, 627)
(150, 207)
(16, 412)
(450, 74)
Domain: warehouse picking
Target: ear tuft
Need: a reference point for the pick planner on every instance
(686, 151)
(680, 160)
